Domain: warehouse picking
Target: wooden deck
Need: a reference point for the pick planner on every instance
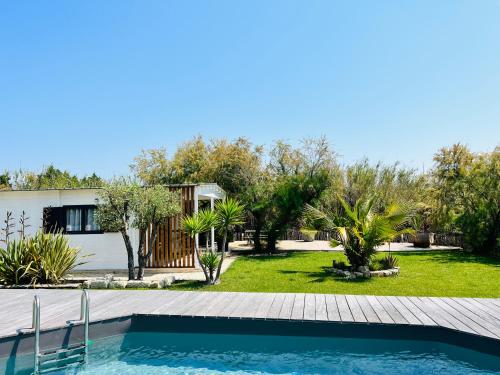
(477, 316)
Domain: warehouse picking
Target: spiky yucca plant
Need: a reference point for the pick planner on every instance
(198, 223)
(43, 258)
(360, 230)
(229, 213)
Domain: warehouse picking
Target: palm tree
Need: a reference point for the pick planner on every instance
(198, 223)
(362, 229)
(229, 213)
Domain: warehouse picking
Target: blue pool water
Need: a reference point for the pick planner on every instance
(168, 353)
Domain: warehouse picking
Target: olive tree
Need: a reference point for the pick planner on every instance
(123, 204)
(114, 212)
(152, 206)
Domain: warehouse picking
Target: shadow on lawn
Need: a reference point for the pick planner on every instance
(453, 256)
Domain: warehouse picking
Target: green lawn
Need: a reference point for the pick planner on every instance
(422, 274)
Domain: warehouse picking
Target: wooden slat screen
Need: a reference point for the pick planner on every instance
(173, 248)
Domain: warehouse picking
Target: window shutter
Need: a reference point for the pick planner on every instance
(54, 219)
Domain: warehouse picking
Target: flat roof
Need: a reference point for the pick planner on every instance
(98, 188)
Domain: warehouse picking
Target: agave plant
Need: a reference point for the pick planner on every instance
(362, 229)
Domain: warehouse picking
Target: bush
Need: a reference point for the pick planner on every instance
(44, 258)
(15, 264)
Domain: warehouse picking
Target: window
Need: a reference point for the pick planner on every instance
(71, 219)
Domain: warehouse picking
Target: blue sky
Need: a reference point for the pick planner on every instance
(87, 84)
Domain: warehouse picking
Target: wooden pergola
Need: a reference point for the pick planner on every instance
(173, 247)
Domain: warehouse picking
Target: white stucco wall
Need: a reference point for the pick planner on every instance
(107, 249)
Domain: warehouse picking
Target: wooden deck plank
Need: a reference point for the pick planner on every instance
(478, 309)
(368, 310)
(457, 324)
(474, 326)
(310, 307)
(391, 310)
(287, 307)
(274, 311)
(332, 309)
(490, 303)
(379, 310)
(404, 311)
(356, 310)
(321, 313)
(344, 311)
(265, 305)
(422, 316)
(476, 316)
(298, 307)
(473, 317)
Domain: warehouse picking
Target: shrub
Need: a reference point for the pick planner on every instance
(54, 258)
(210, 261)
(15, 264)
(389, 261)
(43, 258)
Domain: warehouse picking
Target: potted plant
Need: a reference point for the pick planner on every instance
(308, 234)
(423, 236)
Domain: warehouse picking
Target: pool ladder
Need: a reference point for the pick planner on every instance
(56, 359)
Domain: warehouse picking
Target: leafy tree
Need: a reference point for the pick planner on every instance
(5, 183)
(361, 229)
(114, 213)
(152, 206)
(53, 178)
(124, 204)
(467, 189)
(301, 177)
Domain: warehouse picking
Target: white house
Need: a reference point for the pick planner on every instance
(72, 211)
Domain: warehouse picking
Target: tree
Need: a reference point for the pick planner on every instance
(229, 213)
(5, 183)
(301, 175)
(196, 224)
(467, 190)
(152, 206)
(361, 229)
(52, 178)
(114, 212)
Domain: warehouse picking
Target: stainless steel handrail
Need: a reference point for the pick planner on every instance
(36, 326)
(84, 317)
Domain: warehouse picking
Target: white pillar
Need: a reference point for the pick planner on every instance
(197, 237)
(212, 230)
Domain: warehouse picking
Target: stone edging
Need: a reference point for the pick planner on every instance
(366, 274)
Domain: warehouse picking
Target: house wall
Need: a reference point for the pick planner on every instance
(107, 249)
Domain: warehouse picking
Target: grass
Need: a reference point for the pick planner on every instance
(450, 274)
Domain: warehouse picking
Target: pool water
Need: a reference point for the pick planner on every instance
(170, 353)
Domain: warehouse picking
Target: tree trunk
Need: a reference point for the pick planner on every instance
(130, 254)
(272, 236)
(140, 252)
(257, 246)
(224, 239)
(208, 280)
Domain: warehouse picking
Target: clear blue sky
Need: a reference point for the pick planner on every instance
(87, 84)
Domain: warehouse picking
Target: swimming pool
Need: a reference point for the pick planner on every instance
(149, 345)
(158, 353)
